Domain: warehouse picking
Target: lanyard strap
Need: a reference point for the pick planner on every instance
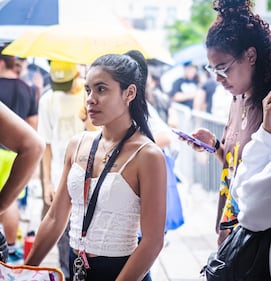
(93, 200)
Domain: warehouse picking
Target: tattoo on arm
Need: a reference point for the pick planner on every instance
(83, 158)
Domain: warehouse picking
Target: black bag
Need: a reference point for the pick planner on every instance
(243, 256)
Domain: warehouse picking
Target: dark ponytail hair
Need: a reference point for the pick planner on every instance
(235, 30)
(140, 101)
(127, 69)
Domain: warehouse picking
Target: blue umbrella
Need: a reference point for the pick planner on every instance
(195, 53)
(29, 12)
(18, 17)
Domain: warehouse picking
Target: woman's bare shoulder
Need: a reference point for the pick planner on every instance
(150, 150)
(80, 139)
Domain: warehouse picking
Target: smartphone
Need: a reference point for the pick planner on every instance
(195, 141)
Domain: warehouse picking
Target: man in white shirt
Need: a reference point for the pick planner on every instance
(59, 120)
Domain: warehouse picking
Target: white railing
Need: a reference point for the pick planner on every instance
(197, 167)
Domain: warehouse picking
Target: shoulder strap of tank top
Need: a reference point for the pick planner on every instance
(132, 156)
(78, 145)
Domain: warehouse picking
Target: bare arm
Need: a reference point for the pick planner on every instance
(49, 192)
(55, 221)
(18, 136)
(152, 178)
(181, 96)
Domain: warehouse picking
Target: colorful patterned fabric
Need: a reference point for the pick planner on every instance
(244, 120)
(30, 273)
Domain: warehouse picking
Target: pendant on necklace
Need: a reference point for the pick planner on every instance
(106, 156)
(108, 153)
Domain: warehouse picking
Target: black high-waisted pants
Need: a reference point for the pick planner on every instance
(103, 268)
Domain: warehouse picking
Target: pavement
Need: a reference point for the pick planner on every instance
(186, 248)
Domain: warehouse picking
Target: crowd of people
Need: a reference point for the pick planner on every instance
(97, 143)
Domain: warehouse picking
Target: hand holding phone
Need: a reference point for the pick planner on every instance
(197, 142)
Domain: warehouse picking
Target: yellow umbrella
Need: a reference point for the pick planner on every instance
(153, 45)
(76, 43)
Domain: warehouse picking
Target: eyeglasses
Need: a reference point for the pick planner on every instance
(220, 72)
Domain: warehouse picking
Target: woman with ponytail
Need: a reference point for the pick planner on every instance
(239, 54)
(113, 182)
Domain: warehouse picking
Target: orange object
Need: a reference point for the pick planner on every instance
(28, 242)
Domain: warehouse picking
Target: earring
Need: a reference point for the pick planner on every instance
(251, 59)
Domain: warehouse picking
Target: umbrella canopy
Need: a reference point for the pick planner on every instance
(77, 37)
(78, 43)
(29, 12)
(18, 17)
(195, 53)
(152, 44)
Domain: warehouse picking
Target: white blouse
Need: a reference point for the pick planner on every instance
(251, 187)
(116, 220)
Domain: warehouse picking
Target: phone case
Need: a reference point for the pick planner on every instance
(195, 141)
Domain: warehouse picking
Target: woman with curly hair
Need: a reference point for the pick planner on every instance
(239, 55)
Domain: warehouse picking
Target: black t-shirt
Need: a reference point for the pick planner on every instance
(209, 87)
(185, 86)
(19, 97)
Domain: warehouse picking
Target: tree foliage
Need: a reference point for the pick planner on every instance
(182, 33)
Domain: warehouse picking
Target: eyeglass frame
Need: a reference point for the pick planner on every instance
(220, 72)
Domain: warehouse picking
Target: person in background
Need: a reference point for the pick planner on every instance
(203, 100)
(239, 54)
(28, 153)
(132, 195)
(59, 120)
(20, 98)
(185, 88)
(33, 78)
(164, 138)
(156, 97)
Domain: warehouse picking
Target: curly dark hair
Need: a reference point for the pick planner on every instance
(236, 29)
